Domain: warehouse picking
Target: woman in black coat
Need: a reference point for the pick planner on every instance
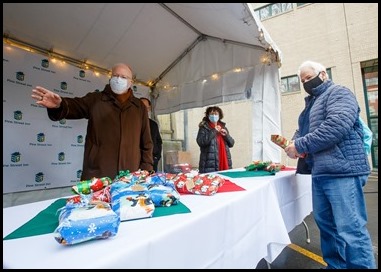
(214, 141)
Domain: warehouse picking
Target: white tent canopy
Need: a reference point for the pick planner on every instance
(188, 54)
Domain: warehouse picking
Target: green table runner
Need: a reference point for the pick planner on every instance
(46, 221)
(246, 174)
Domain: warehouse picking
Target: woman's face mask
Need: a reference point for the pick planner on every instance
(213, 118)
(119, 85)
(312, 83)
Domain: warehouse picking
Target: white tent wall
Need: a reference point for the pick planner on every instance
(250, 121)
(241, 78)
(266, 113)
(213, 72)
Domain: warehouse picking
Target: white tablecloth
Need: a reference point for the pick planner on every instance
(226, 230)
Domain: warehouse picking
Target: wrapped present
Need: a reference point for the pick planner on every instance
(274, 167)
(163, 195)
(268, 166)
(156, 179)
(74, 199)
(162, 192)
(257, 165)
(131, 201)
(198, 184)
(81, 222)
(132, 178)
(282, 142)
(124, 176)
(101, 195)
(92, 185)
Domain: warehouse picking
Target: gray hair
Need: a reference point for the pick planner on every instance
(315, 66)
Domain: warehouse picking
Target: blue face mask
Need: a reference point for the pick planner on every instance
(213, 118)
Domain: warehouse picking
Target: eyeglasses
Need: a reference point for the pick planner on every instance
(309, 77)
(121, 76)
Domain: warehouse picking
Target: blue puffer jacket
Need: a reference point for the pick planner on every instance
(334, 144)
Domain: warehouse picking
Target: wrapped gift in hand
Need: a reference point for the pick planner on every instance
(282, 142)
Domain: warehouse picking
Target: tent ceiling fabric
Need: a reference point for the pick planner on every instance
(147, 36)
(195, 54)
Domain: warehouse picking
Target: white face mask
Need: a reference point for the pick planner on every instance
(119, 85)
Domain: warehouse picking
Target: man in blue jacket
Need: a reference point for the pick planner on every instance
(334, 150)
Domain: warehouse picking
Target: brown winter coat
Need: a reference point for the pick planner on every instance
(118, 136)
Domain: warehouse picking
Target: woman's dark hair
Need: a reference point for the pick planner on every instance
(214, 108)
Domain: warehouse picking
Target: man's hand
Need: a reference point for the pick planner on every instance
(291, 151)
(46, 98)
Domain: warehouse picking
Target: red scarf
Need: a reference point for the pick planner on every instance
(222, 156)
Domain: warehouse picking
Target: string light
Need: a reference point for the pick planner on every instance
(53, 56)
(216, 76)
(270, 56)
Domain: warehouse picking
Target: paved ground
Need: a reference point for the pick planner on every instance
(303, 255)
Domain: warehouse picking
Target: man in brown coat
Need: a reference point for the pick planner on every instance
(118, 131)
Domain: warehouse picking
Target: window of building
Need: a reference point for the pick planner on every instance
(276, 9)
(290, 84)
(272, 10)
(329, 72)
(286, 6)
(301, 4)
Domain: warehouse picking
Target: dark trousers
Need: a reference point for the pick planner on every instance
(155, 164)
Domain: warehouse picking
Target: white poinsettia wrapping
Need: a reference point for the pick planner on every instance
(81, 222)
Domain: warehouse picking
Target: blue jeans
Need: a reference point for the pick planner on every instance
(339, 209)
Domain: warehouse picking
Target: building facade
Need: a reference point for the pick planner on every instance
(341, 36)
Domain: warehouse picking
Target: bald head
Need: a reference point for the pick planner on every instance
(121, 70)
